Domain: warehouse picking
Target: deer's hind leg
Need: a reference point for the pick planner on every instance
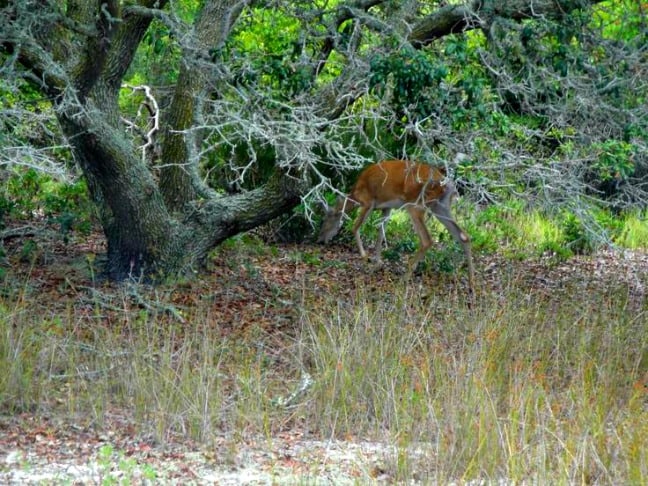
(417, 215)
(381, 232)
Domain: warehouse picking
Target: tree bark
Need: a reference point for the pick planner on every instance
(179, 178)
(139, 231)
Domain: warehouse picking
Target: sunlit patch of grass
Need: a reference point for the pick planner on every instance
(541, 235)
(634, 234)
(514, 231)
(539, 230)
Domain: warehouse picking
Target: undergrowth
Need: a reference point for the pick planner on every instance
(514, 231)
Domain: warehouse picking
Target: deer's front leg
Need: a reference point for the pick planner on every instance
(362, 217)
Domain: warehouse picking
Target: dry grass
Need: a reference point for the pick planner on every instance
(543, 385)
(522, 387)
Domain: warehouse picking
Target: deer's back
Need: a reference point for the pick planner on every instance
(393, 183)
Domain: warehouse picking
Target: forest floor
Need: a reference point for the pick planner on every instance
(41, 447)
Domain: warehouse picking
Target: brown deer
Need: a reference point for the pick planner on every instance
(394, 184)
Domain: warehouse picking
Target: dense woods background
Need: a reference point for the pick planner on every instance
(191, 121)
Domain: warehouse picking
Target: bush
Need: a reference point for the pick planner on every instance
(30, 194)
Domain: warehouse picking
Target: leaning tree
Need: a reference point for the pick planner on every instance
(150, 176)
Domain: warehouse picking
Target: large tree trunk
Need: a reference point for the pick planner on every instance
(138, 228)
(144, 239)
(155, 230)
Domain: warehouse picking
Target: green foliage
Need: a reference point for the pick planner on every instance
(614, 161)
(29, 193)
(611, 223)
(239, 152)
(519, 232)
(410, 78)
(397, 251)
(493, 228)
(450, 83)
(473, 171)
(267, 52)
(540, 235)
(17, 101)
(575, 234)
(156, 63)
(115, 468)
(470, 87)
(633, 231)
(622, 20)
(443, 260)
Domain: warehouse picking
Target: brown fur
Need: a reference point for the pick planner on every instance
(393, 184)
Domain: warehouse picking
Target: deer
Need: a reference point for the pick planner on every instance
(396, 184)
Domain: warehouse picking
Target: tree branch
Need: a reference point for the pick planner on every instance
(179, 179)
(345, 12)
(125, 42)
(453, 19)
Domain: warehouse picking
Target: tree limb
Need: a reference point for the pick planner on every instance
(179, 179)
(452, 19)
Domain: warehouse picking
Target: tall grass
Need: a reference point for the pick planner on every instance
(172, 378)
(527, 385)
(522, 388)
(634, 233)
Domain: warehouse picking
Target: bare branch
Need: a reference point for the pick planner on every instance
(152, 119)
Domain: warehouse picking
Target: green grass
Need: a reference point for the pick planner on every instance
(512, 230)
(634, 233)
